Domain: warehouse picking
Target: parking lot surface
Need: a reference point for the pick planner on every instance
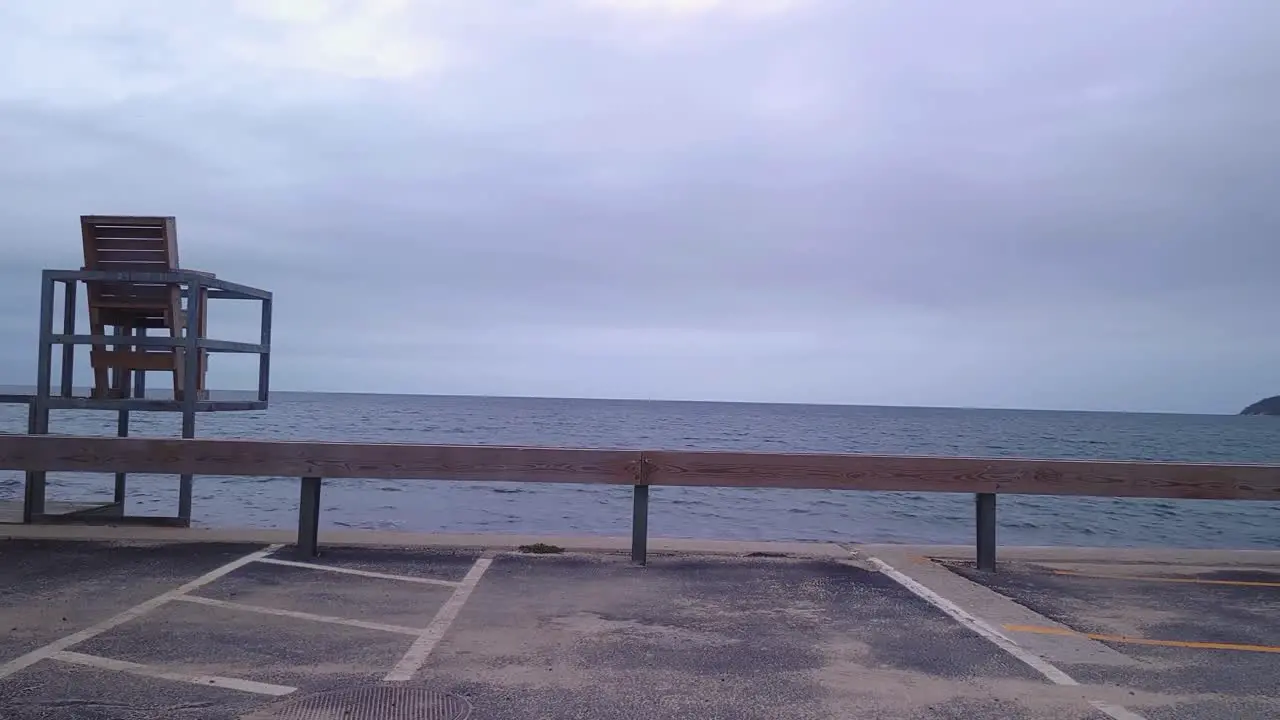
(215, 630)
(1209, 636)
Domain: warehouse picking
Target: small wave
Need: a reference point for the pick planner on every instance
(1020, 525)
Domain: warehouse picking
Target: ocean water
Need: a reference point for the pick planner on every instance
(702, 512)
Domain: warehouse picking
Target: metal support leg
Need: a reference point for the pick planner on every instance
(122, 427)
(190, 382)
(121, 378)
(264, 359)
(309, 517)
(38, 416)
(68, 328)
(986, 515)
(640, 525)
(122, 430)
(34, 481)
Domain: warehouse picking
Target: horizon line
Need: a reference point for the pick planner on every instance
(797, 403)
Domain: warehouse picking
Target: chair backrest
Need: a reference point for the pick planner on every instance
(117, 243)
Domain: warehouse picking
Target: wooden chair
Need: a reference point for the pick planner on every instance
(135, 244)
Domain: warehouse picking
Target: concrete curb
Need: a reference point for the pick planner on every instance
(604, 544)
(423, 540)
(1101, 555)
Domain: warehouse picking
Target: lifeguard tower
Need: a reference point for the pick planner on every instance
(146, 314)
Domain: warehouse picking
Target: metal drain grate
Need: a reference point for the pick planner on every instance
(377, 702)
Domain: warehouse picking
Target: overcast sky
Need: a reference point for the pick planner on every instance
(1049, 204)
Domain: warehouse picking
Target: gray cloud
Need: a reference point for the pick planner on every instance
(1062, 204)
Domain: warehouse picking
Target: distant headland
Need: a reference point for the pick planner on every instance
(1270, 406)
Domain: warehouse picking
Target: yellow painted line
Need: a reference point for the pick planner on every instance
(1041, 630)
(1148, 578)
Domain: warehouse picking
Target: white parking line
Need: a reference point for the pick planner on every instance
(361, 573)
(400, 629)
(416, 656)
(154, 672)
(1000, 640)
(23, 661)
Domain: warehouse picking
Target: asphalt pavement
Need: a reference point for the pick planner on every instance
(112, 629)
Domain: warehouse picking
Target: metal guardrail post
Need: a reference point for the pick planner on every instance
(38, 419)
(34, 481)
(309, 517)
(986, 526)
(640, 525)
(640, 514)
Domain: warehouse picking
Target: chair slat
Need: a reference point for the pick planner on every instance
(133, 359)
(119, 232)
(155, 244)
(125, 220)
(154, 254)
(136, 266)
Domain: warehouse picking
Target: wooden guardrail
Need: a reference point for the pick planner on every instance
(315, 461)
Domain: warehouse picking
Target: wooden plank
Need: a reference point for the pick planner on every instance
(149, 341)
(265, 458)
(261, 458)
(142, 264)
(966, 475)
(147, 221)
(152, 235)
(133, 359)
(116, 295)
(131, 244)
(136, 298)
(89, 244)
(171, 239)
(153, 255)
(132, 314)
